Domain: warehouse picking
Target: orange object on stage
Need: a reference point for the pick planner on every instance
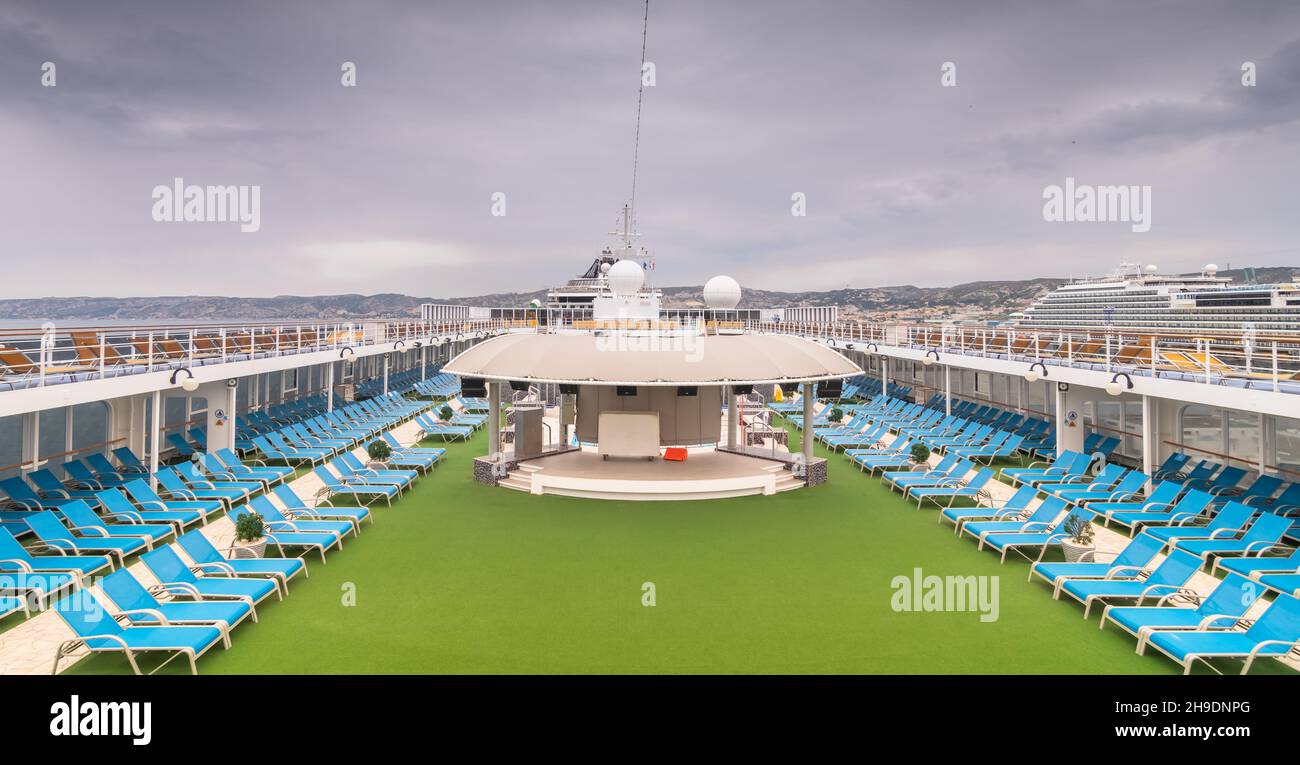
(675, 454)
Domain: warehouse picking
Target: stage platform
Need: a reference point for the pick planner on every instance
(706, 474)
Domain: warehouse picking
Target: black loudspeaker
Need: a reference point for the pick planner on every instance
(742, 390)
(830, 388)
(474, 387)
(688, 390)
(520, 385)
(625, 390)
(568, 389)
(790, 389)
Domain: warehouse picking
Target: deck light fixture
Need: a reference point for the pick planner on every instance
(1033, 375)
(189, 384)
(1114, 387)
(931, 356)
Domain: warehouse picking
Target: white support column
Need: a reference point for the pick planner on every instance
(729, 393)
(1150, 438)
(806, 441)
(155, 431)
(386, 355)
(31, 446)
(884, 375)
(1263, 443)
(329, 387)
(494, 419)
(1069, 420)
(947, 390)
(424, 361)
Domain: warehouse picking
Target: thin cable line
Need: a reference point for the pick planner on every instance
(636, 147)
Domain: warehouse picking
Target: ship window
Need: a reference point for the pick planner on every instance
(1202, 428)
(1243, 436)
(1288, 447)
(11, 442)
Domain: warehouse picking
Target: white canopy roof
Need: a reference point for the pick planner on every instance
(652, 360)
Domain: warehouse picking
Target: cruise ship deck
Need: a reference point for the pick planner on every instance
(430, 558)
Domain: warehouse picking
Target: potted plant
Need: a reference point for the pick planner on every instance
(379, 451)
(1078, 544)
(920, 454)
(836, 415)
(250, 536)
(446, 413)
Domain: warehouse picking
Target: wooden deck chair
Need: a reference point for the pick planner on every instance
(14, 362)
(88, 347)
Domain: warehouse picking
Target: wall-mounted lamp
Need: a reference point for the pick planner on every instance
(189, 384)
(399, 344)
(346, 351)
(1033, 375)
(1114, 387)
(874, 348)
(931, 356)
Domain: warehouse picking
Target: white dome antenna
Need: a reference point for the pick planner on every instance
(722, 293)
(626, 278)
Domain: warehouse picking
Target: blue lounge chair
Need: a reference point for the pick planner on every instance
(52, 533)
(23, 497)
(403, 478)
(83, 520)
(1232, 519)
(183, 511)
(430, 451)
(182, 447)
(953, 489)
(1127, 564)
(1017, 505)
(272, 514)
(117, 506)
(234, 464)
(1223, 608)
(14, 558)
(1169, 577)
(355, 487)
(177, 487)
(194, 476)
(99, 632)
(1040, 518)
(1188, 507)
(176, 578)
(284, 534)
(1264, 534)
(295, 507)
(1042, 539)
(1254, 566)
(76, 470)
(49, 486)
(141, 607)
(209, 558)
(1275, 633)
(1162, 497)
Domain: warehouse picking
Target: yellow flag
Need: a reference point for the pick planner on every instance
(776, 393)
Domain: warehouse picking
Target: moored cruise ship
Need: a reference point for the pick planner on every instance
(1134, 299)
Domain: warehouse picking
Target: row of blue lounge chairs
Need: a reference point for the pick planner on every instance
(1196, 517)
(198, 603)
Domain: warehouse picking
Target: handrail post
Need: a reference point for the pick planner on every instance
(149, 358)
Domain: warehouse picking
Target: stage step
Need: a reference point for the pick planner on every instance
(516, 482)
(788, 483)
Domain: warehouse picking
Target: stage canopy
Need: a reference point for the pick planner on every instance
(618, 359)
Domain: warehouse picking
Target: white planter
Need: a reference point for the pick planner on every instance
(253, 549)
(1075, 552)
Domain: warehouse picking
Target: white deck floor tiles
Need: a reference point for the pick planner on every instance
(28, 648)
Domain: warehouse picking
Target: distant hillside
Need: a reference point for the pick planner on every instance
(972, 298)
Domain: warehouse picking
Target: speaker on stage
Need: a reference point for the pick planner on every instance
(474, 387)
(519, 385)
(688, 390)
(742, 390)
(625, 390)
(568, 389)
(790, 389)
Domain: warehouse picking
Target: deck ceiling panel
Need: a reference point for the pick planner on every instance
(652, 360)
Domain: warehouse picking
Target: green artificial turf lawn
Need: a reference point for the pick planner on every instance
(462, 578)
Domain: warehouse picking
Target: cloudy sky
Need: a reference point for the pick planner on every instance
(386, 187)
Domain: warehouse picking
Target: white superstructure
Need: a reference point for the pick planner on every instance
(1138, 300)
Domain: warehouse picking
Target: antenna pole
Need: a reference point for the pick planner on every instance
(636, 147)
